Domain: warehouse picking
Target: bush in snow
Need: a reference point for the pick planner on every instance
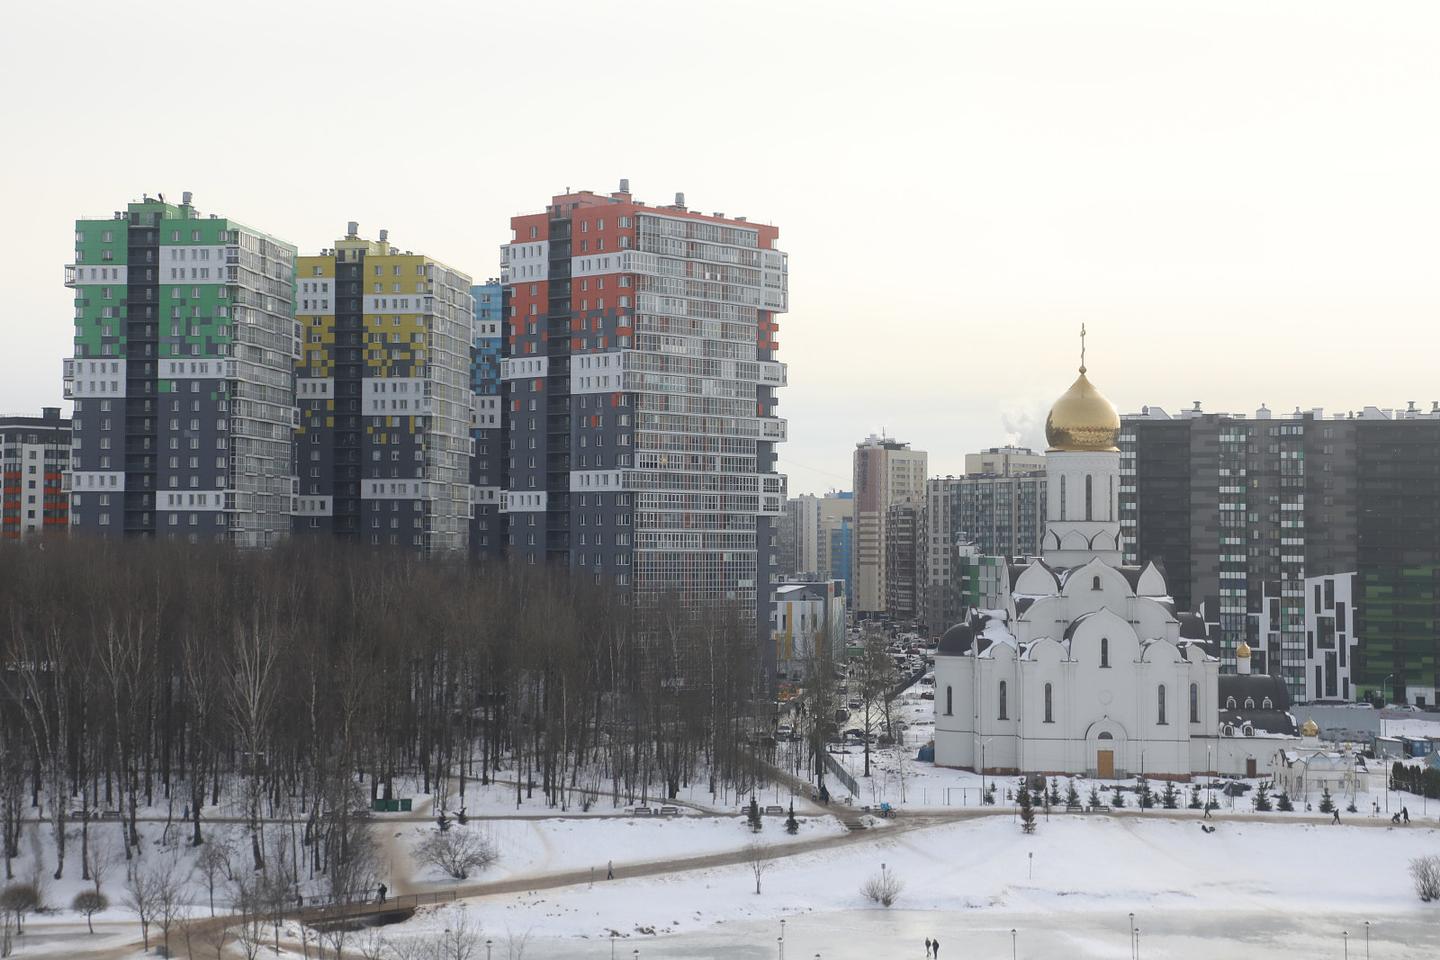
(1072, 796)
(1284, 803)
(457, 852)
(1094, 799)
(989, 795)
(89, 903)
(792, 826)
(1170, 799)
(752, 816)
(1147, 798)
(1426, 873)
(1194, 803)
(1118, 800)
(882, 888)
(19, 899)
(1054, 798)
(1327, 804)
(1262, 798)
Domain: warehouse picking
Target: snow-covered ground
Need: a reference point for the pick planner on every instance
(966, 878)
(526, 847)
(530, 847)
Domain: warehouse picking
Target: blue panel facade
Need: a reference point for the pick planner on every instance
(488, 428)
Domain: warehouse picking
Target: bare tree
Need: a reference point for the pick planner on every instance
(249, 911)
(457, 852)
(141, 898)
(759, 857)
(214, 865)
(168, 885)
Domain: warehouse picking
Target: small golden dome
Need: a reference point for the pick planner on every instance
(1243, 650)
(1309, 729)
(1082, 420)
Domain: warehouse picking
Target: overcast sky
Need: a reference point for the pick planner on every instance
(1241, 200)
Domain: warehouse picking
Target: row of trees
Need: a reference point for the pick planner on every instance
(302, 683)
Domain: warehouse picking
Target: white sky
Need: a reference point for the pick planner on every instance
(1241, 200)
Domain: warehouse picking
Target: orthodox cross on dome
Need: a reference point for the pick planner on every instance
(1082, 348)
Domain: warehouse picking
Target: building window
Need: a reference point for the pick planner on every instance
(1002, 701)
(949, 701)
(1104, 651)
(1095, 583)
(1229, 703)
(1266, 704)
(1088, 498)
(1160, 705)
(1062, 496)
(1249, 703)
(1049, 704)
(1194, 703)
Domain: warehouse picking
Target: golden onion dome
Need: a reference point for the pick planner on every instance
(1083, 420)
(1243, 651)
(1309, 729)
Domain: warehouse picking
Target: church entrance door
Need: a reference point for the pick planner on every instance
(1105, 764)
(1250, 767)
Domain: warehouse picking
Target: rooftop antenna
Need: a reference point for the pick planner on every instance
(1082, 347)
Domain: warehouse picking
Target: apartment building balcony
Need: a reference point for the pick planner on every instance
(70, 274)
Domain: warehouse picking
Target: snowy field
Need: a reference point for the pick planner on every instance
(1289, 886)
(530, 847)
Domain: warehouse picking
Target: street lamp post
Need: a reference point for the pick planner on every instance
(1137, 943)
(1132, 936)
(487, 948)
(1013, 948)
(1345, 934)
(1367, 940)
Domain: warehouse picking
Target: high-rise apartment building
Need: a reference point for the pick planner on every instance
(182, 377)
(999, 515)
(639, 387)
(804, 534)
(887, 473)
(1007, 461)
(383, 445)
(487, 421)
(904, 560)
(1314, 540)
(34, 461)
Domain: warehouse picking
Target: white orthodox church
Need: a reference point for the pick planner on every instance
(1087, 669)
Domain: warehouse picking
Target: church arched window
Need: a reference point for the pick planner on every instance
(1089, 498)
(1160, 705)
(1002, 701)
(1229, 703)
(1104, 651)
(1062, 496)
(1249, 703)
(1110, 502)
(1049, 704)
(1194, 703)
(1095, 583)
(1267, 704)
(949, 701)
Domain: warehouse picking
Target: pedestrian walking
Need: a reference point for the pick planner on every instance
(927, 946)
(935, 946)
(1335, 816)
(609, 869)
(382, 891)
(1405, 814)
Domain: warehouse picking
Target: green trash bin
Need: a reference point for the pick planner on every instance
(405, 805)
(377, 805)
